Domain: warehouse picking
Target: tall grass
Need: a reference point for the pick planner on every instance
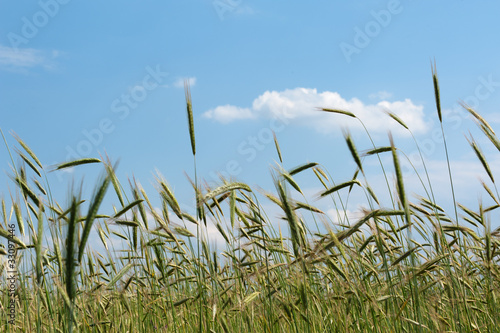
(404, 266)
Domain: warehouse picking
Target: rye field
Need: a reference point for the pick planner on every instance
(403, 265)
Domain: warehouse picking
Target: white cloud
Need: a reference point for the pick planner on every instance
(493, 118)
(344, 217)
(300, 105)
(466, 173)
(22, 59)
(227, 113)
(381, 95)
(179, 83)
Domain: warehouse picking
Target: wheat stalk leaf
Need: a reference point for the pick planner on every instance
(491, 136)
(276, 144)
(127, 223)
(19, 216)
(30, 164)
(6, 234)
(102, 236)
(120, 274)
(189, 108)
(127, 208)
(216, 201)
(251, 297)
(67, 301)
(232, 207)
(396, 118)
(436, 92)
(372, 194)
(182, 301)
(375, 213)
(378, 150)
(74, 163)
(291, 181)
(291, 217)
(274, 199)
(122, 236)
(62, 215)
(27, 191)
(28, 150)
(70, 248)
(169, 197)
(115, 182)
(320, 172)
(490, 192)
(477, 116)
(183, 232)
(333, 265)
(400, 182)
(338, 111)
(4, 212)
(452, 228)
(353, 150)
(92, 212)
(142, 210)
(487, 243)
(413, 322)
(39, 186)
(301, 205)
(481, 158)
(427, 266)
(225, 188)
(491, 208)
(340, 186)
(302, 167)
(469, 212)
(222, 232)
(403, 256)
(38, 247)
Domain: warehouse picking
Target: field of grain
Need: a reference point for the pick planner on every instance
(407, 267)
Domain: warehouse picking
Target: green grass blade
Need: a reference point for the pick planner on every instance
(74, 163)
(189, 107)
(38, 247)
(120, 274)
(302, 167)
(436, 93)
(28, 150)
(127, 208)
(340, 186)
(276, 144)
(353, 150)
(91, 215)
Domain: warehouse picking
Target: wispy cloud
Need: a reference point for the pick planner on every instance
(381, 95)
(300, 105)
(179, 83)
(245, 10)
(228, 113)
(23, 59)
(224, 9)
(344, 217)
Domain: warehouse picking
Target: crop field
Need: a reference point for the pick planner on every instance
(406, 265)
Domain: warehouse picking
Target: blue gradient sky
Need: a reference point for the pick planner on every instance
(88, 77)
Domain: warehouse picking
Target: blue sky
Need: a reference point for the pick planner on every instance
(88, 77)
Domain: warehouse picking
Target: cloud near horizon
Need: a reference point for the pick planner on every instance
(21, 59)
(300, 106)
